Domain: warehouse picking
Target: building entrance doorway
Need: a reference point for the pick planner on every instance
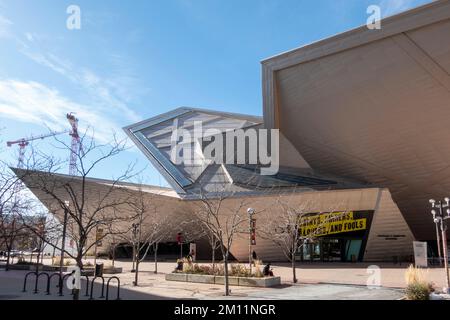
(331, 250)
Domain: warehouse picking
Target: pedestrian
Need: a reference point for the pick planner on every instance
(267, 271)
(254, 257)
(179, 266)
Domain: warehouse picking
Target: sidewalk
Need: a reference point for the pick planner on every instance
(316, 281)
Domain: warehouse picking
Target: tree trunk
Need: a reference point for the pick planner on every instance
(213, 258)
(79, 260)
(136, 274)
(113, 255)
(294, 275)
(133, 268)
(156, 257)
(37, 260)
(225, 260)
(8, 257)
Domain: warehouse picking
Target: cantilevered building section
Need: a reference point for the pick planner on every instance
(153, 137)
(372, 105)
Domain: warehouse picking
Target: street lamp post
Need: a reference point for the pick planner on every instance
(438, 243)
(250, 212)
(439, 217)
(135, 232)
(63, 245)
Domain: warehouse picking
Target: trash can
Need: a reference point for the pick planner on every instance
(99, 270)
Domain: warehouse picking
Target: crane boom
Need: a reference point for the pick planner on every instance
(32, 138)
(25, 141)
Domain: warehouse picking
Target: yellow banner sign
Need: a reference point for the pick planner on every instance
(330, 223)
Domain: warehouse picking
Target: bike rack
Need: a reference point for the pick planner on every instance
(49, 282)
(37, 280)
(26, 278)
(64, 277)
(37, 275)
(118, 288)
(92, 287)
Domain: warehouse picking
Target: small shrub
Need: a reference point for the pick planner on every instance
(188, 267)
(239, 270)
(67, 262)
(219, 270)
(417, 287)
(418, 291)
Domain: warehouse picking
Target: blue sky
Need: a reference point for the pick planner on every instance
(132, 60)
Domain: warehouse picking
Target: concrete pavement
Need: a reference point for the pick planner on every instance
(318, 281)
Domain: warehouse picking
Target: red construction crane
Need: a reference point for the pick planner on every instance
(25, 141)
(76, 146)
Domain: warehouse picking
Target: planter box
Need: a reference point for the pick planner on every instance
(199, 278)
(176, 277)
(233, 281)
(113, 270)
(25, 267)
(260, 282)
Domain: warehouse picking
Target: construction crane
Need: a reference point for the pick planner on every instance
(76, 146)
(22, 143)
(75, 149)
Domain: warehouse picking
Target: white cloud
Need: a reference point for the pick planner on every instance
(390, 7)
(29, 36)
(33, 102)
(5, 27)
(106, 93)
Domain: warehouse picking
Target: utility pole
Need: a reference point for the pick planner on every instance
(438, 244)
(439, 217)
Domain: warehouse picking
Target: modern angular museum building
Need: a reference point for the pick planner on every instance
(363, 124)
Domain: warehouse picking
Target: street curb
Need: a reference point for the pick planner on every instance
(341, 284)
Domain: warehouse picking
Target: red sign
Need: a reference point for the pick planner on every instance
(179, 238)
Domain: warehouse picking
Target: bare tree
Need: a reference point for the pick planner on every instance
(147, 226)
(11, 207)
(223, 216)
(294, 226)
(84, 204)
